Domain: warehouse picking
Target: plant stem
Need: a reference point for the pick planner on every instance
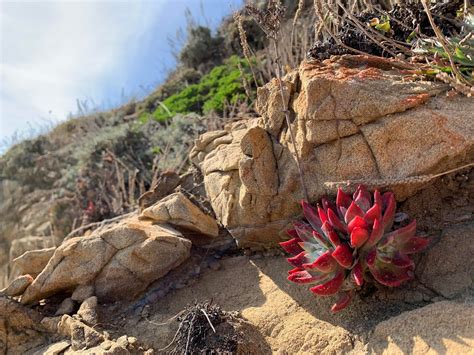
(288, 123)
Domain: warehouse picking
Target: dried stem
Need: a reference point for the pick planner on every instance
(288, 122)
(395, 181)
(444, 44)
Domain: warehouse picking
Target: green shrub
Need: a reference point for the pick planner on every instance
(222, 85)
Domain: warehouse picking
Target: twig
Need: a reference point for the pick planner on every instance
(167, 322)
(444, 44)
(207, 317)
(394, 181)
(174, 338)
(189, 333)
(288, 122)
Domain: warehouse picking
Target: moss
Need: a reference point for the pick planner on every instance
(223, 85)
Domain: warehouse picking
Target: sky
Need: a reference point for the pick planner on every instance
(103, 52)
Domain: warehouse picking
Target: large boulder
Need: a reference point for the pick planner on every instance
(353, 118)
(119, 262)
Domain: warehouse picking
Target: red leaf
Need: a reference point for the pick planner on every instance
(321, 240)
(324, 263)
(292, 233)
(357, 274)
(335, 221)
(322, 215)
(357, 222)
(327, 204)
(371, 257)
(397, 239)
(331, 287)
(390, 275)
(390, 206)
(375, 235)
(311, 215)
(397, 259)
(342, 200)
(378, 198)
(353, 211)
(331, 234)
(296, 269)
(342, 302)
(375, 212)
(343, 255)
(304, 277)
(415, 244)
(304, 231)
(298, 260)
(292, 246)
(358, 237)
(362, 198)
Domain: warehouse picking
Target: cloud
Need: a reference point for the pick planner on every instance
(55, 52)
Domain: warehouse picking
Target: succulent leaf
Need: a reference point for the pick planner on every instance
(342, 302)
(331, 234)
(330, 287)
(311, 215)
(358, 237)
(390, 205)
(336, 222)
(292, 246)
(343, 255)
(353, 211)
(342, 243)
(324, 263)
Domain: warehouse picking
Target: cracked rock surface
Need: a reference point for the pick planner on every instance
(119, 262)
(353, 118)
(178, 210)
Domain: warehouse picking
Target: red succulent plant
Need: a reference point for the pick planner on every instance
(340, 246)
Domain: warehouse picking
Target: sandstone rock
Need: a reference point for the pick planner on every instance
(82, 336)
(448, 267)
(88, 311)
(440, 328)
(54, 349)
(165, 184)
(66, 307)
(20, 328)
(178, 210)
(353, 118)
(22, 245)
(82, 292)
(17, 286)
(32, 262)
(119, 262)
(51, 323)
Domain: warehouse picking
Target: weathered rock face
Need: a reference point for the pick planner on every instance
(119, 262)
(20, 329)
(353, 118)
(31, 262)
(448, 267)
(440, 328)
(178, 210)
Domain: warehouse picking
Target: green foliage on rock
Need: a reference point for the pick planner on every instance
(223, 85)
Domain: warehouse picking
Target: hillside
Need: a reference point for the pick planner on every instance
(155, 227)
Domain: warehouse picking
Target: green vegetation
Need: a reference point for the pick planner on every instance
(223, 85)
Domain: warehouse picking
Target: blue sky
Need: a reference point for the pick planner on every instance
(54, 52)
